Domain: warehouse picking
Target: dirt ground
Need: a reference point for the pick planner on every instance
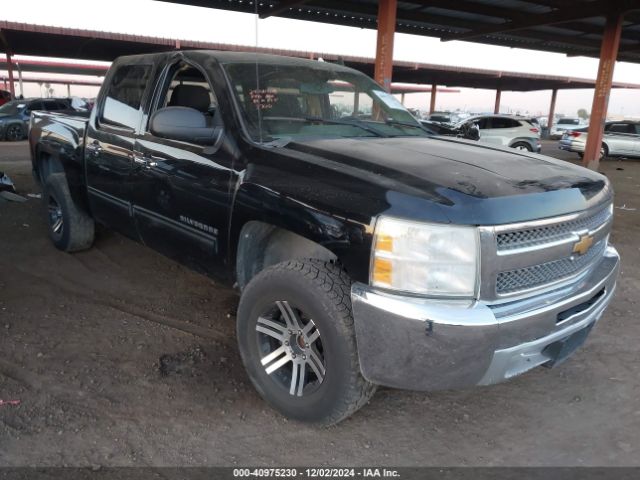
(119, 356)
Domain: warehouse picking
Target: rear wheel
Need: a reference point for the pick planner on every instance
(70, 228)
(523, 146)
(297, 341)
(14, 133)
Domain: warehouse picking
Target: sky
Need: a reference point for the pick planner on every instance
(154, 18)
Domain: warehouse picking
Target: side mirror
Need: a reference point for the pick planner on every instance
(471, 131)
(183, 123)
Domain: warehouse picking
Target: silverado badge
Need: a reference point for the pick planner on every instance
(583, 245)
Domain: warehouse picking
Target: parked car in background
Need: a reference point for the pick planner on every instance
(443, 117)
(14, 115)
(563, 125)
(469, 131)
(621, 139)
(4, 97)
(507, 131)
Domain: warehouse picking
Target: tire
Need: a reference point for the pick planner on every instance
(332, 387)
(14, 133)
(71, 229)
(604, 152)
(522, 146)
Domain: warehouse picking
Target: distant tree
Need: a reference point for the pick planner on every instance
(582, 113)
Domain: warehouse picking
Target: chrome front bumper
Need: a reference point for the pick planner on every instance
(427, 344)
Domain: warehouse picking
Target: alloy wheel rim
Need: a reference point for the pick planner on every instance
(56, 220)
(522, 147)
(291, 348)
(14, 133)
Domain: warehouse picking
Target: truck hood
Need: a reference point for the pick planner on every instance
(466, 178)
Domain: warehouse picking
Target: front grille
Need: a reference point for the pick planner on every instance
(545, 273)
(550, 233)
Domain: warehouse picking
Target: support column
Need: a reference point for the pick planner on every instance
(552, 108)
(387, 10)
(12, 87)
(608, 55)
(20, 80)
(496, 108)
(432, 104)
(68, 89)
(402, 98)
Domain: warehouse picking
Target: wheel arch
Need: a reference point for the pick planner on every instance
(262, 244)
(268, 228)
(517, 140)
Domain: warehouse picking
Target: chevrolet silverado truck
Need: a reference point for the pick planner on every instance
(366, 250)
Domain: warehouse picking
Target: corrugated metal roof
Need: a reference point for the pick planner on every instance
(49, 41)
(576, 24)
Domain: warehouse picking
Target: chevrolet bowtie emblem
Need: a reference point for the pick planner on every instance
(583, 245)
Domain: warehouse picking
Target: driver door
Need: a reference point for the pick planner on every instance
(182, 190)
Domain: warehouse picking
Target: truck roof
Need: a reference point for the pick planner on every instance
(243, 57)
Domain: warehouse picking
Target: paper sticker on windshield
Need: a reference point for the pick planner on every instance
(263, 98)
(388, 99)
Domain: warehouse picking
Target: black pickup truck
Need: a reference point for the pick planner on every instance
(367, 250)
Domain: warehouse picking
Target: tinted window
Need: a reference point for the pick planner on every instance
(53, 105)
(622, 128)
(483, 123)
(124, 97)
(498, 122)
(569, 121)
(35, 106)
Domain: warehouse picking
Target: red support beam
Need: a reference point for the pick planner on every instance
(608, 55)
(12, 87)
(387, 10)
(552, 108)
(432, 104)
(496, 108)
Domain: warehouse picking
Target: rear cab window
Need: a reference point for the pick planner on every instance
(122, 103)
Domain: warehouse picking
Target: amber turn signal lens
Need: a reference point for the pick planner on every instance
(382, 271)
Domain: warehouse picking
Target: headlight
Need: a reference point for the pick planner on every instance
(432, 259)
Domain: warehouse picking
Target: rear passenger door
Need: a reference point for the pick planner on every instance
(621, 138)
(110, 141)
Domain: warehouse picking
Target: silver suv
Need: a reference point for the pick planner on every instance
(507, 131)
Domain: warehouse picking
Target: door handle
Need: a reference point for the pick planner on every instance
(143, 161)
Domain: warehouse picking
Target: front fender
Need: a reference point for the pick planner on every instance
(347, 239)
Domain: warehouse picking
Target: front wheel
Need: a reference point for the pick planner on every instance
(14, 133)
(522, 146)
(297, 341)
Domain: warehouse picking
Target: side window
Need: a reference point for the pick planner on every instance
(637, 127)
(34, 106)
(123, 99)
(621, 128)
(51, 105)
(483, 123)
(189, 88)
(499, 122)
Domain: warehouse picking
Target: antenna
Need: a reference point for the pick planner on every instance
(259, 105)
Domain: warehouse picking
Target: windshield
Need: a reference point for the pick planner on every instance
(11, 108)
(295, 101)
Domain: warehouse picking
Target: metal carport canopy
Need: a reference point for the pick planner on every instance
(49, 41)
(572, 27)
